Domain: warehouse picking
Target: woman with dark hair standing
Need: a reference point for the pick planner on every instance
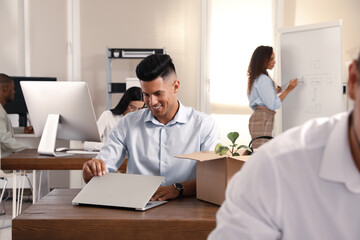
(262, 93)
(132, 101)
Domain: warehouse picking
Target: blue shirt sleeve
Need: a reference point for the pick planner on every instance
(263, 93)
(114, 152)
(210, 133)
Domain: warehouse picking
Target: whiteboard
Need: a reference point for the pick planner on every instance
(314, 53)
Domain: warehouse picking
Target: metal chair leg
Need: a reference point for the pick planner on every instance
(2, 195)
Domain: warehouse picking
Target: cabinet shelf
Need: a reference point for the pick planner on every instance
(123, 53)
(132, 53)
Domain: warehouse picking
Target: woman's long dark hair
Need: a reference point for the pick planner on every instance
(132, 94)
(258, 64)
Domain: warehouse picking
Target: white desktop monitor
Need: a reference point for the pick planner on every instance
(60, 110)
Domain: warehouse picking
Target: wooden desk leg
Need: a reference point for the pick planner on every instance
(34, 186)
(14, 210)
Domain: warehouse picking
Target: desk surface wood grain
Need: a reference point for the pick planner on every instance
(54, 217)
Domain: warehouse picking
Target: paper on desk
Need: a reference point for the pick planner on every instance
(93, 146)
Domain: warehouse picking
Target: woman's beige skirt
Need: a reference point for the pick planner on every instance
(261, 123)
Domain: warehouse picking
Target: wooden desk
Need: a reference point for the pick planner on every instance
(54, 217)
(29, 159)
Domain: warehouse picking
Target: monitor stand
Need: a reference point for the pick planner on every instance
(22, 119)
(48, 138)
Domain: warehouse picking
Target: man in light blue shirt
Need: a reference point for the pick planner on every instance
(152, 137)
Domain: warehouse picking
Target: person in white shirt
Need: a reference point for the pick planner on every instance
(152, 137)
(131, 101)
(303, 184)
(8, 142)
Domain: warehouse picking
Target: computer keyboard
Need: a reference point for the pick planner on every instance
(18, 130)
(82, 152)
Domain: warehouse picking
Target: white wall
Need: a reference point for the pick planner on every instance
(301, 12)
(33, 39)
(47, 38)
(10, 45)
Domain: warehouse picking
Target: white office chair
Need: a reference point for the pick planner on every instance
(4, 177)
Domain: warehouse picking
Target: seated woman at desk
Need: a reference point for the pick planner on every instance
(131, 101)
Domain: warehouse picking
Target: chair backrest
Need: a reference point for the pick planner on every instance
(252, 140)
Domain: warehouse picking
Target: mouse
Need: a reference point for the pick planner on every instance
(61, 149)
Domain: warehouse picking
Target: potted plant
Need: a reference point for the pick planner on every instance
(233, 147)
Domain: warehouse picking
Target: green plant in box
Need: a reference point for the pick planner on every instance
(233, 148)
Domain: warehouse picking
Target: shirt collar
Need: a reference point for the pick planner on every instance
(180, 116)
(337, 163)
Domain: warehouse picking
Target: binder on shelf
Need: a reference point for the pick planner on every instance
(117, 88)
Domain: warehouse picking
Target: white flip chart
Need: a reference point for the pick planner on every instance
(312, 53)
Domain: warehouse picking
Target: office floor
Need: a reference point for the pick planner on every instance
(5, 220)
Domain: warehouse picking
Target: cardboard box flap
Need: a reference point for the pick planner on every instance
(209, 155)
(241, 158)
(201, 156)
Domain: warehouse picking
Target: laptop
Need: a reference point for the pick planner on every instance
(120, 190)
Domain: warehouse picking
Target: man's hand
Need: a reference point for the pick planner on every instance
(170, 192)
(164, 193)
(28, 130)
(93, 167)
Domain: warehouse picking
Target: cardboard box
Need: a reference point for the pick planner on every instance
(213, 172)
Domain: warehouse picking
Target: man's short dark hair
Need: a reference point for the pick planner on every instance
(5, 79)
(153, 66)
